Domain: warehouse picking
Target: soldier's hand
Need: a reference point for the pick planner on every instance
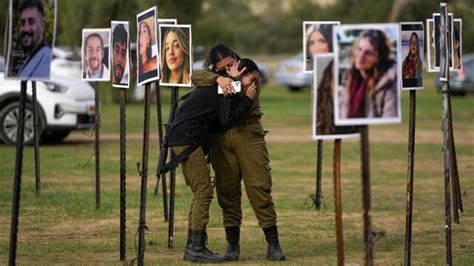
(226, 85)
(234, 71)
(251, 91)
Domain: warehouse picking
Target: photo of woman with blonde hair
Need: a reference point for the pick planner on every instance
(176, 53)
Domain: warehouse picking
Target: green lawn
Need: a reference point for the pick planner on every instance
(63, 226)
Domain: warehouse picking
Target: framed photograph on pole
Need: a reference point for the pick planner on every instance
(31, 33)
(120, 54)
(147, 46)
(176, 55)
(367, 74)
(412, 38)
(323, 101)
(96, 54)
(317, 39)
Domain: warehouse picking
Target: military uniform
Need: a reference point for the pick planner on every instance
(241, 153)
(202, 110)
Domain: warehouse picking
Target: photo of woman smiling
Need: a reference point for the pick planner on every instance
(176, 61)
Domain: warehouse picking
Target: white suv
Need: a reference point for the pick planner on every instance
(64, 104)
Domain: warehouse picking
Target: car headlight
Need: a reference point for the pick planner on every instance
(55, 87)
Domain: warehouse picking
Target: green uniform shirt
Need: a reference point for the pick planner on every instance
(206, 77)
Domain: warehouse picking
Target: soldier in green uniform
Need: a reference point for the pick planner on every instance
(240, 153)
(189, 137)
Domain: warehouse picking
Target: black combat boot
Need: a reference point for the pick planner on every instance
(198, 252)
(232, 234)
(274, 252)
(189, 242)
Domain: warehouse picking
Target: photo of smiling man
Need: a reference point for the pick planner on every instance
(95, 54)
(120, 55)
(32, 36)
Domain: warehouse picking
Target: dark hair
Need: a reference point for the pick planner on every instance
(217, 53)
(381, 44)
(32, 3)
(250, 66)
(119, 34)
(94, 35)
(326, 31)
(324, 113)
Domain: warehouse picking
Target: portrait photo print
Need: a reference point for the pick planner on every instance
(96, 54)
(367, 74)
(317, 39)
(30, 39)
(147, 46)
(176, 59)
(120, 49)
(412, 37)
(323, 101)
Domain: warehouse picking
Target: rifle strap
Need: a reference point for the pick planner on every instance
(173, 163)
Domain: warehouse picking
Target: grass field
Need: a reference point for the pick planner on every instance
(63, 226)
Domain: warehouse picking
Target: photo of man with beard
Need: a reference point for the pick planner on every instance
(30, 50)
(120, 61)
(93, 52)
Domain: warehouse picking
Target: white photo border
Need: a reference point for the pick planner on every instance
(87, 32)
(400, 65)
(314, 105)
(366, 121)
(114, 24)
(186, 26)
(305, 26)
(150, 12)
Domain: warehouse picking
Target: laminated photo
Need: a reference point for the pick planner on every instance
(176, 59)
(147, 46)
(367, 74)
(323, 101)
(96, 54)
(120, 54)
(317, 39)
(412, 38)
(30, 39)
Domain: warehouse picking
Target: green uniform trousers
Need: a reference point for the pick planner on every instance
(241, 153)
(198, 178)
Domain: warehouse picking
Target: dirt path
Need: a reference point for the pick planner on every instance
(281, 135)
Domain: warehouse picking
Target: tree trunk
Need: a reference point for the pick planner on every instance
(397, 9)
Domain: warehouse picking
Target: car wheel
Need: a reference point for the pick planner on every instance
(9, 117)
(295, 89)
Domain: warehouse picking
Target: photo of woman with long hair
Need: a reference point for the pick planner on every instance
(147, 46)
(369, 88)
(323, 101)
(176, 55)
(317, 40)
(412, 42)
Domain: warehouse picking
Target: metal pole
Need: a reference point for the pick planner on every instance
(444, 77)
(97, 145)
(337, 202)
(174, 99)
(319, 160)
(17, 177)
(368, 239)
(456, 186)
(123, 174)
(37, 137)
(411, 165)
(160, 138)
(144, 177)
